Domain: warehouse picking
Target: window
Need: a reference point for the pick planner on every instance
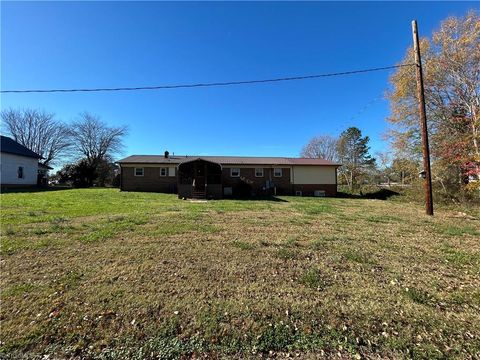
(259, 172)
(138, 171)
(163, 171)
(277, 172)
(235, 172)
(20, 172)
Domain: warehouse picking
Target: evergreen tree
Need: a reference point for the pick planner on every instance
(353, 152)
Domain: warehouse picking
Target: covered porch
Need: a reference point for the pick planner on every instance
(199, 179)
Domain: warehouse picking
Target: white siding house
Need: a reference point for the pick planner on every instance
(314, 175)
(18, 165)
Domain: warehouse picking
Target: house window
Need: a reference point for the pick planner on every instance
(20, 172)
(138, 171)
(235, 172)
(277, 172)
(259, 172)
(163, 171)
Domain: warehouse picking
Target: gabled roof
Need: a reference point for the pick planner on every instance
(192, 159)
(225, 160)
(8, 145)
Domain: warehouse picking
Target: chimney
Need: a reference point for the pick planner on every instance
(166, 154)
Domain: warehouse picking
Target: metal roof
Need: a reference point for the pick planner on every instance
(225, 160)
(8, 145)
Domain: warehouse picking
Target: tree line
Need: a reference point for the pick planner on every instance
(451, 63)
(452, 91)
(88, 145)
(350, 149)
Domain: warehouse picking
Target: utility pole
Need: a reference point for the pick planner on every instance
(426, 173)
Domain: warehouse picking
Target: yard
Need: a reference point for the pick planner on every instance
(106, 274)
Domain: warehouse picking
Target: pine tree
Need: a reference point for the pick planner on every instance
(353, 151)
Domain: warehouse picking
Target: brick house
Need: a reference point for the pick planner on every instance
(223, 176)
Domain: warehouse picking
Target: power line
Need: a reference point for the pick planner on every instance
(205, 84)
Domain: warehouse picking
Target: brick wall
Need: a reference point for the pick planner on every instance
(150, 181)
(248, 180)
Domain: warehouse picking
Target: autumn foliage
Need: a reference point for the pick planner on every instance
(451, 63)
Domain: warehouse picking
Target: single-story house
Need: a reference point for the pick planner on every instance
(18, 164)
(222, 176)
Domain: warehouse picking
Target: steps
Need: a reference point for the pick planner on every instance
(199, 194)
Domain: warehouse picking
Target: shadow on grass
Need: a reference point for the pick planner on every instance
(257, 198)
(34, 189)
(382, 194)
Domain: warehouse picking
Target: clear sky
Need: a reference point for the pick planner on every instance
(111, 44)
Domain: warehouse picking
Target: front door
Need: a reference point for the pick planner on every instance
(199, 178)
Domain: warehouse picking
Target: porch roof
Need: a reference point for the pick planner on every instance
(192, 159)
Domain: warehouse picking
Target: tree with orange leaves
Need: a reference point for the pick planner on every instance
(452, 94)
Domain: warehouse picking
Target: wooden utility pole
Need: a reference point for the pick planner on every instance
(423, 122)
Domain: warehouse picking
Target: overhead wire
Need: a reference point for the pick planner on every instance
(211, 84)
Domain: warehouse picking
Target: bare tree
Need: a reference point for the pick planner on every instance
(38, 131)
(384, 165)
(95, 140)
(323, 146)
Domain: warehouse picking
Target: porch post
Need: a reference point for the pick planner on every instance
(205, 172)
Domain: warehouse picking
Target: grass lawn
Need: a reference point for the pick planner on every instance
(98, 273)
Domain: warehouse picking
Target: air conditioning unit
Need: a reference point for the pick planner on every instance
(319, 193)
(227, 191)
(298, 193)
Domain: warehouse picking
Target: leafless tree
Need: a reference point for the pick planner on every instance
(384, 160)
(94, 140)
(323, 146)
(38, 131)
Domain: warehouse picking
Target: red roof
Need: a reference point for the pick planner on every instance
(225, 160)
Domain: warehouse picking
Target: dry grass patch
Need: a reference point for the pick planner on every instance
(315, 277)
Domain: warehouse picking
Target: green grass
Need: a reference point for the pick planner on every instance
(19, 289)
(358, 256)
(315, 279)
(460, 257)
(285, 253)
(243, 245)
(98, 273)
(453, 230)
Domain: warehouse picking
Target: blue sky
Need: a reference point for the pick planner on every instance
(110, 44)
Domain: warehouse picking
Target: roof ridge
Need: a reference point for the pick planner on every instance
(231, 160)
(10, 146)
(230, 156)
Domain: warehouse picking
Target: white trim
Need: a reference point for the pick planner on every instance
(231, 172)
(138, 168)
(275, 170)
(263, 174)
(166, 171)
